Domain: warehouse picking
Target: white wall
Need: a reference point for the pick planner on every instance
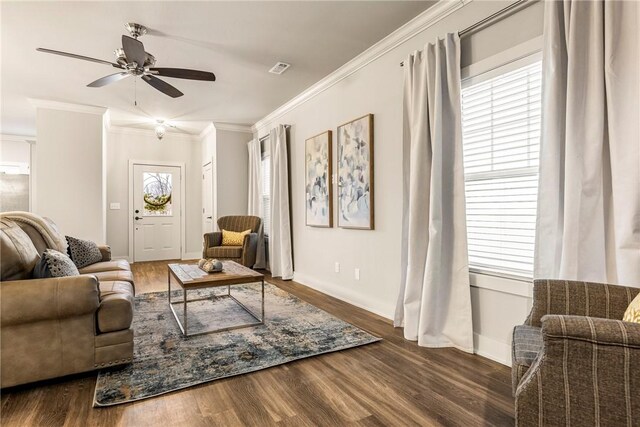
(15, 149)
(377, 88)
(67, 183)
(15, 169)
(232, 172)
(125, 145)
(228, 150)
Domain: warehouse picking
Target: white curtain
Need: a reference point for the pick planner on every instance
(588, 223)
(280, 258)
(255, 196)
(434, 304)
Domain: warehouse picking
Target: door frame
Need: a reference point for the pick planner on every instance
(183, 213)
(214, 206)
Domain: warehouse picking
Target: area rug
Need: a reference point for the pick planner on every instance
(165, 361)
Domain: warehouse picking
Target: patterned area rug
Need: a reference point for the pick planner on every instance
(165, 361)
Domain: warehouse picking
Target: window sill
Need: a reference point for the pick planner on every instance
(502, 283)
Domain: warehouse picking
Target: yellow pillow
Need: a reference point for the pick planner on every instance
(633, 311)
(232, 238)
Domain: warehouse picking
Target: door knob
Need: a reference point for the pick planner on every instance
(137, 218)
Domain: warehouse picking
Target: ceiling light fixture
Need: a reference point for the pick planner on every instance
(160, 129)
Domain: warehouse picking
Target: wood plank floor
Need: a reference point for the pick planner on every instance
(391, 383)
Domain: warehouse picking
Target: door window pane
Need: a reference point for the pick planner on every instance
(157, 194)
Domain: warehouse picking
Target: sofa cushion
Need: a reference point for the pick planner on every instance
(19, 256)
(527, 343)
(224, 252)
(54, 264)
(116, 306)
(83, 252)
(115, 275)
(115, 265)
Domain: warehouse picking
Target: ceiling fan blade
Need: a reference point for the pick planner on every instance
(183, 73)
(108, 79)
(134, 50)
(73, 55)
(162, 86)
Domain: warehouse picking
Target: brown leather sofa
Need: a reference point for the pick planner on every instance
(59, 326)
(245, 254)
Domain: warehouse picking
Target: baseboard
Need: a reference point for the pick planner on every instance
(483, 346)
(491, 349)
(191, 255)
(345, 295)
(126, 258)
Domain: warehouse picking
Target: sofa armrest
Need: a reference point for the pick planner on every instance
(105, 250)
(581, 357)
(25, 301)
(574, 298)
(249, 249)
(211, 240)
(592, 330)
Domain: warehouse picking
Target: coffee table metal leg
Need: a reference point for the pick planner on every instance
(262, 317)
(184, 309)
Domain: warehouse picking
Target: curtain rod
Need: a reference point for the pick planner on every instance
(267, 135)
(493, 18)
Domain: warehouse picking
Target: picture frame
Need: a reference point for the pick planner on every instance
(356, 174)
(318, 180)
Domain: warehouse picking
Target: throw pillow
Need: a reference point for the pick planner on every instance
(232, 238)
(633, 311)
(54, 264)
(83, 252)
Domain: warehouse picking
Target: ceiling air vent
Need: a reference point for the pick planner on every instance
(280, 68)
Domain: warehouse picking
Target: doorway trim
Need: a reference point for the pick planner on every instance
(183, 213)
(214, 193)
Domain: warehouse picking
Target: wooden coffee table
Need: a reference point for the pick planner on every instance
(190, 277)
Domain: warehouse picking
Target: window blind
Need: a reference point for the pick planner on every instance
(266, 193)
(501, 145)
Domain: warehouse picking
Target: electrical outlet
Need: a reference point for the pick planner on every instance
(337, 267)
(357, 273)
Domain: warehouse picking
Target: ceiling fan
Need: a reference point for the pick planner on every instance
(134, 61)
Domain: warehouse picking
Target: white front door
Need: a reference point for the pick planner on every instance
(156, 212)
(207, 198)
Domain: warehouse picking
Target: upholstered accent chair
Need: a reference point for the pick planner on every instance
(245, 254)
(574, 361)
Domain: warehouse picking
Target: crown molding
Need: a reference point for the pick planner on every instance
(17, 138)
(67, 106)
(208, 130)
(123, 130)
(426, 19)
(233, 127)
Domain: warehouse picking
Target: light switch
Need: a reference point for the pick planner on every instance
(357, 274)
(114, 206)
(337, 267)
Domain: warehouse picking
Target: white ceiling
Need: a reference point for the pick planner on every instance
(238, 41)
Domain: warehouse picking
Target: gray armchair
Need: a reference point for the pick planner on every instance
(245, 254)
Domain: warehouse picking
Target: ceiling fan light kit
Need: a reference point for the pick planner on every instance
(160, 130)
(133, 60)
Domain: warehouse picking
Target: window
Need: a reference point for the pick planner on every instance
(266, 192)
(501, 144)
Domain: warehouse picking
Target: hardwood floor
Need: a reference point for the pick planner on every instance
(390, 383)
